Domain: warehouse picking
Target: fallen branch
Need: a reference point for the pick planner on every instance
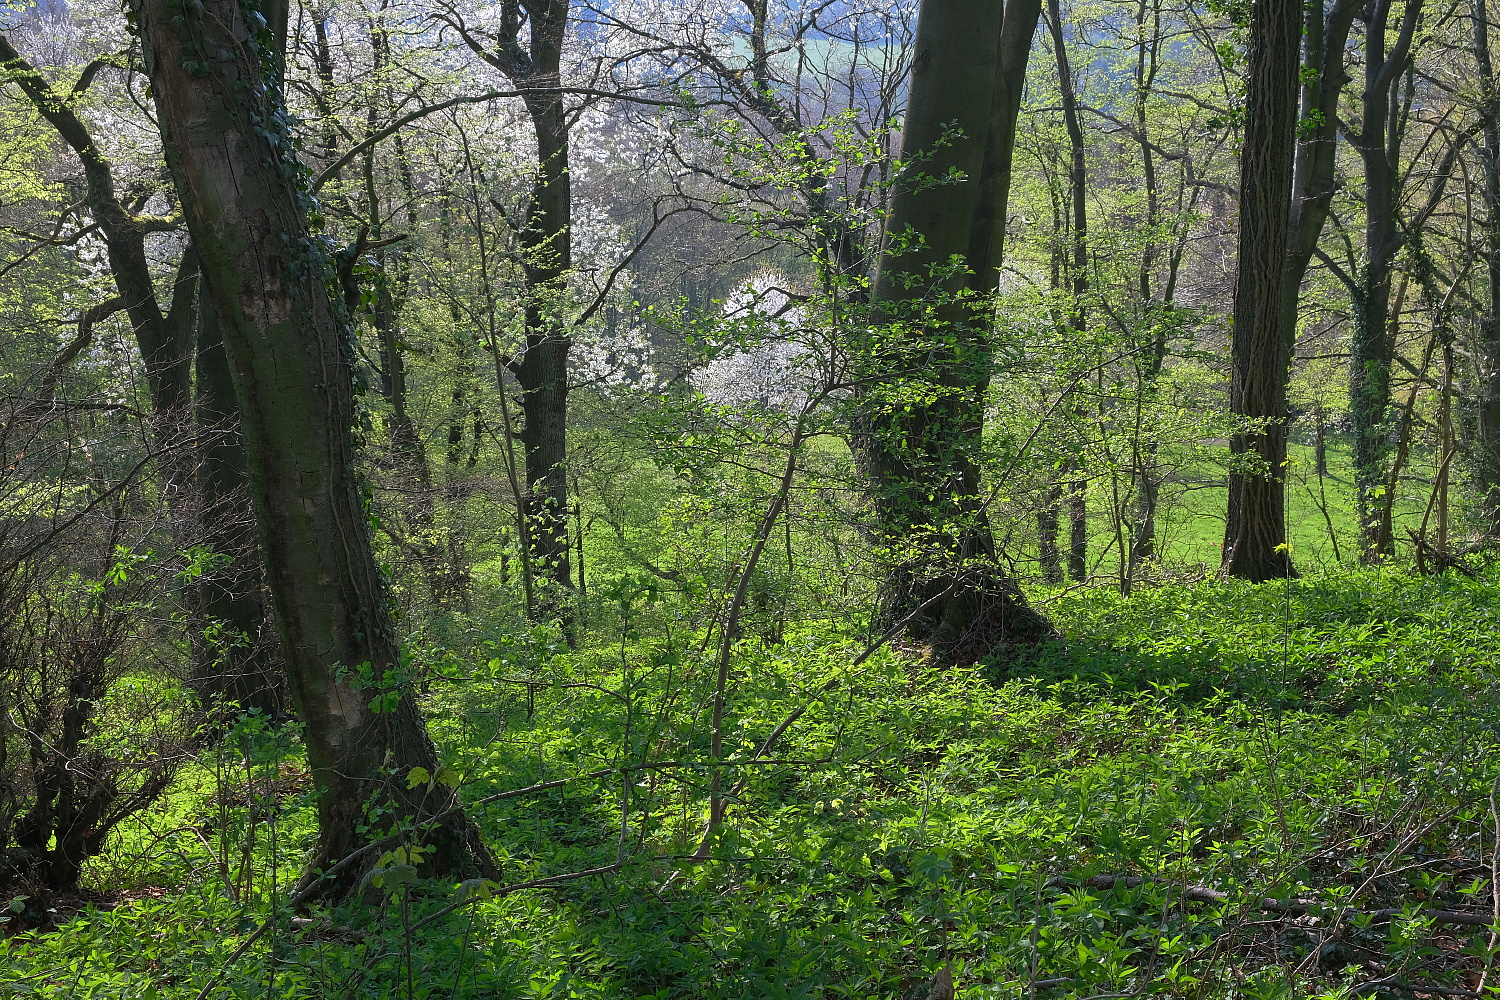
(1401, 984)
(1290, 908)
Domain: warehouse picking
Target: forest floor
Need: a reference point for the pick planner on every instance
(1208, 790)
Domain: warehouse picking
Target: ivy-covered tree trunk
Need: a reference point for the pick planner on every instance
(213, 69)
(1261, 352)
(1488, 389)
(1371, 350)
(920, 440)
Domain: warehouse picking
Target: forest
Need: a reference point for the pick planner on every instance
(904, 499)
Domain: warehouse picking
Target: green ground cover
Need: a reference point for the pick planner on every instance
(1329, 741)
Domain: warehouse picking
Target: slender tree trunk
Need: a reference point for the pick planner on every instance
(1488, 404)
(923, 459)
(1047, 527)
(1078, 265)
(1320, 441)
(541, 369)
(224, 128)
(1078, 530)
(1370, 349)
(1078, 260)
(1261, 353)
(1150, 361)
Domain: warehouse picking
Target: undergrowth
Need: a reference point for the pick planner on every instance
(1118, 814)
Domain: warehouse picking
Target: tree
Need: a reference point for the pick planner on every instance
(214, 73)
(534, 67)
(1372, 346)
(1488, 458)
(1325, 34)
(236, 665)
(920, 439)
(1078, 269)
(1262, 352)
(165, 337)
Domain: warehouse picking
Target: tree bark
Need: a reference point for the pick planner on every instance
(1261, 353)
(229, 149)
(921, 448)
(1325, 35)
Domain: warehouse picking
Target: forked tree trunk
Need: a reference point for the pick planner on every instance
(1262, 354)
(921, 439)
(1325, 34)
(231, 155)
(1371, 350)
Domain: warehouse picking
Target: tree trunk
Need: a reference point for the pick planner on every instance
(923, 458)
(288, 342)
(1488, 464)
(1047, 525)
(1371, 350)
(1325, 36)
(547, 243)
(1261, 352)
(1078, 530)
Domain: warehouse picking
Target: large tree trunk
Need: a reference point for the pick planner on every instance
(288, 343)
(1261, 353)
(921, 437)
(1325, 35)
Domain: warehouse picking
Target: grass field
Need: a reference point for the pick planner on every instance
(1321, 522)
